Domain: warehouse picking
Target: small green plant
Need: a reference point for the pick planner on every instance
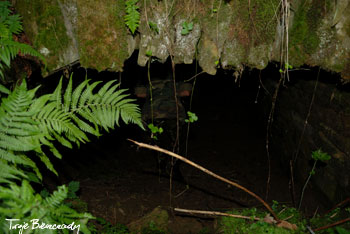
(259, 221)
(152, 229)
(73, 200)
(132, 17)
(107, 228)
(44, 193)
(155, 130)
(287, 67)
(73, 188)
(317, 155)
(236, 225)
(153, 27)
(186, 28)
(149, 53)
(205, 230)
(22, 203)
(275, 206)
(192, 117)
(11, 24)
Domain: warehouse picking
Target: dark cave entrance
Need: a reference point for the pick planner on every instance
(121, 182)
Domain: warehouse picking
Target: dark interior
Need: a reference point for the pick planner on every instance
(121, 182)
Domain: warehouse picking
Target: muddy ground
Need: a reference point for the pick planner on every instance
(121, 182)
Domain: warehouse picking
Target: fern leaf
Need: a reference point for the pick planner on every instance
(68, 95)
(87, 94)
(15, 144)
(56, 95)
(62, 140)
(12, 48)
(77, 94)
(130, 114)
(85, 126)
(15, 159)
(55, 121)
(117, 96)
(132, 17)
(4, 9)
(8, 172)
(39, 103)
(4, 30)
(51, 146)
(47, 162)
(57, 197)
(105, 87)
(14, 23)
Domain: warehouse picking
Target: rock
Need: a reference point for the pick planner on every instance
(158, 219)
(327, 129)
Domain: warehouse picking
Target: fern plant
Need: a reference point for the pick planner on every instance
(23, 206)
(132, 17)
(27, 124)
(9, 25)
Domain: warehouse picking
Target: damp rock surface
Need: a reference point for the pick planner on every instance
(230, 34)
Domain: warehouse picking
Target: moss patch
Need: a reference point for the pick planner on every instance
(346, 71)
(102, 35)
(44, 26)
(304, 40)
(257, 19)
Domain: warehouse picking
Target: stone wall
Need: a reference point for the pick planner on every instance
(327, 128)
(229, 34)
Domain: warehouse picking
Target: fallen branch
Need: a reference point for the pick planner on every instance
(156, 148)
(339, 204)
(267, 219)
(332, 225)
(204, 212)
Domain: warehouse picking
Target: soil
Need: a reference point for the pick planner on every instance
(121, 182)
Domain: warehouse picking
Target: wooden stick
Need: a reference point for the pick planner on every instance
(339, 204)
(204, 212)
(332, 225)
(156, 148)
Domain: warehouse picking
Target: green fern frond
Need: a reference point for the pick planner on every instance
(11, 48)
(56, 96)
(11, 24)
(4, 30)
(28, 124)
(14, 24)
(57, 197)
(9, 172)
(47, 142)
(4, 10)
(23, 203)
(132, 17)
(99, 109)
(47, 162)
(18, 130)
(67, 98)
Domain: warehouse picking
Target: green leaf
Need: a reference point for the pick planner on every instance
(320, 155)
(186, 28)
(3, 89)
(132, 17)
(153, 26)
